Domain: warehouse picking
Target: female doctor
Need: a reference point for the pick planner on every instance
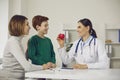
(88, 51)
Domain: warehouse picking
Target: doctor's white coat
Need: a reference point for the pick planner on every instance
(93, 55)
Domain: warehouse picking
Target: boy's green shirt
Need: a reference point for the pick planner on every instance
(40, 50)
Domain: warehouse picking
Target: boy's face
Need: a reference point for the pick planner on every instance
(43, 28)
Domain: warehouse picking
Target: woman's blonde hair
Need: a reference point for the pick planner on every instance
(16, 25)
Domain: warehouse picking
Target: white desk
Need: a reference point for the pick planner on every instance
(94, 74)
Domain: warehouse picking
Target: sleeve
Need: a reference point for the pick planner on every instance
(103, 60)
(52, 53)
(19, 55)
(32, 52)
(67, 57)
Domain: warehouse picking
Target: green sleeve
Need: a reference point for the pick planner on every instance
(53, 53)
(32, 53)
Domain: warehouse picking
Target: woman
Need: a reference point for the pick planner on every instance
(14, 63)
(88, 51)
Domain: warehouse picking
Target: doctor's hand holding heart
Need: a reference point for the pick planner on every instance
(60, 39)
(88, 51)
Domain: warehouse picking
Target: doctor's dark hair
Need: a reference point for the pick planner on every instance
(86, 22)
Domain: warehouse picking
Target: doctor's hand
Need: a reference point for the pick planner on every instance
(80, 66)
(61, 42)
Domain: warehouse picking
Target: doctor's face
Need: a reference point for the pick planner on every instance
(82, 30)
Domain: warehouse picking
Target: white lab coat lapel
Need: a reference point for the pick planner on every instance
(88, 53)
(79, 58)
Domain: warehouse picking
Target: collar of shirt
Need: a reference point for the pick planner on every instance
(19, 38)
(85, 43)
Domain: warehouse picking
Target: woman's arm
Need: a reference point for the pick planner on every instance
(16, 50)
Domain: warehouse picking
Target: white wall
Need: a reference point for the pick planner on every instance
(14, 7)
(18, 7)
(70, 11)
(3, 24)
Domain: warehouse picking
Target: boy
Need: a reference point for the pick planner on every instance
(40, 48)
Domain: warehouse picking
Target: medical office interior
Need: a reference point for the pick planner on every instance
(63, 16)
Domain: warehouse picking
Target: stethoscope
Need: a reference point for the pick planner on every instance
(76, 50)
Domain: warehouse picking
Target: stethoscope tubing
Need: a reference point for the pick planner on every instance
(81, 46)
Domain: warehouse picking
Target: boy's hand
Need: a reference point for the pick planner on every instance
(51, 65)
(45, 66)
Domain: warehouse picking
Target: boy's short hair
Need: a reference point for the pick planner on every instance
(37, 20)
(16, 25)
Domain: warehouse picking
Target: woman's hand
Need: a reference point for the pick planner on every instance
(80, 66)
(61, 42)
